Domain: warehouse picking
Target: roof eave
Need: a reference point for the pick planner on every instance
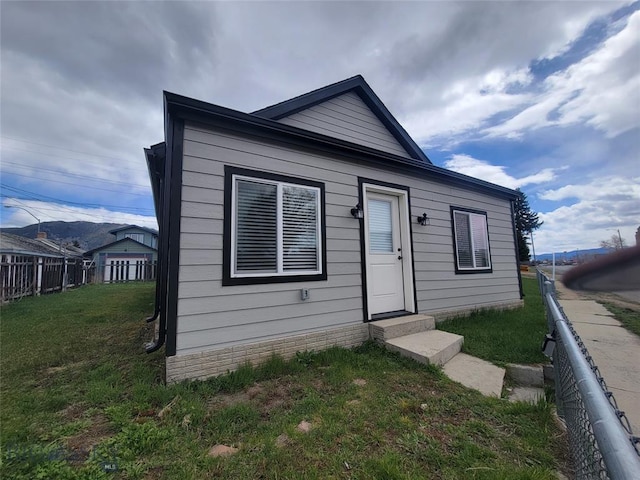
(358, 85)
(221, 117)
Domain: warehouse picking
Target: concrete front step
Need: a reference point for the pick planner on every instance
(475, 373)
(434, 346)
(383, 330)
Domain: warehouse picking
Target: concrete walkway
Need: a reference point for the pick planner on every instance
(615, 350)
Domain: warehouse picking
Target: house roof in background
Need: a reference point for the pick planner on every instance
(359, 86)
(133, 227)
(122, 240)
(16, 245)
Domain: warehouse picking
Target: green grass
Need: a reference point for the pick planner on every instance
(629, 318)
(507, 336)
(80, 396)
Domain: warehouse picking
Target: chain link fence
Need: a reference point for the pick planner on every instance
(601, 441)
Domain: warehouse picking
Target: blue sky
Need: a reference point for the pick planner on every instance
(544, 96)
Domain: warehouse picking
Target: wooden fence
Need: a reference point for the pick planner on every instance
(25, 275)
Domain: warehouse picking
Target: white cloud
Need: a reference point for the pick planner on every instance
(467, 104)
(605, 189)
(495, 173)
(599, 209)
(602, 90)
(19, 215)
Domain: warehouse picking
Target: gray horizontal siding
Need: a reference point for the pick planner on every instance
(347, 117)
(211, 316)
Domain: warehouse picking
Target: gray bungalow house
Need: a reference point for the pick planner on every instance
(295, 226)
(131, 256)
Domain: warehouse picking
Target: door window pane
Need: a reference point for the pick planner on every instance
(380, 226)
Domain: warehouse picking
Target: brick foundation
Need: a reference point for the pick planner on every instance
(199, 366)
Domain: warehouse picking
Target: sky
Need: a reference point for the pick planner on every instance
(538, 95)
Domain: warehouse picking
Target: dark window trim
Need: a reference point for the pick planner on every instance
(227, 279)
(363, 251)
(455, 246)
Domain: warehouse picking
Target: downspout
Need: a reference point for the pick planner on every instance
(153, 162)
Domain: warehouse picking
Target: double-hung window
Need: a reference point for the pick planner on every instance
(471, 241)
(273, 228)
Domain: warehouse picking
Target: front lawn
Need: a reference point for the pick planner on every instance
(507, 336)
(81, 399)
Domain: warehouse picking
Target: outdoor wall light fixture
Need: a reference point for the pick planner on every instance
(357, 212)
(424, 220)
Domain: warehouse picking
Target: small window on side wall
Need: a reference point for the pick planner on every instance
(274, 229)
(471, 241)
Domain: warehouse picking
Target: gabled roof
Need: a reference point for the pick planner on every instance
(360, 87)
(132, 227)
(89, 253)
(17, 245)
(179, 108)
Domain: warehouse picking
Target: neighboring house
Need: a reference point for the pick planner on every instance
(132, 256)
(292, 227)
(37, 266)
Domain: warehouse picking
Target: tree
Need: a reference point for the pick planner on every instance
(616, 242)
(526, 222)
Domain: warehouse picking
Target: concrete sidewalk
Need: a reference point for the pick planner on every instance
(615, 350)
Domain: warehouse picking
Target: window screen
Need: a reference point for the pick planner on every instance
(276, 228)
(471, 241)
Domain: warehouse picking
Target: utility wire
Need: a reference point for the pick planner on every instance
(59, 148)
(80, 185)
(72, 175)
(36, 196)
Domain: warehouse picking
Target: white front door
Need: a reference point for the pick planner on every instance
(384, 253)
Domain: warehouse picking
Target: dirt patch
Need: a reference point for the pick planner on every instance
(266, 396)
(81, 445)
(63, 368)
(73, 412)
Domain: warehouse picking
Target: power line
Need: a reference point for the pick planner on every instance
(36, 196)
(65, 157)
(59, 148)
(73, 175)
(79, 185)
(70, 211)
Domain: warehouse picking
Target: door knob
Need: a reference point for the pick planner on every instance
(399, 257)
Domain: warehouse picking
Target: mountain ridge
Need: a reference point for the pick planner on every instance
(89, 235)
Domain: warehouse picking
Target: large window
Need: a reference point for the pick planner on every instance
(471, 241)
(273, 228)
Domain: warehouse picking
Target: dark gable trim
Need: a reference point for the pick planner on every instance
(227, 279)
(358, 85)
(455, 249)
(170, 200)
(363, 252)
(176, 127)
(515, 247)
(271, 131)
